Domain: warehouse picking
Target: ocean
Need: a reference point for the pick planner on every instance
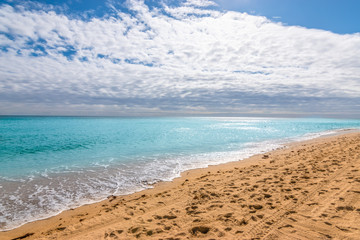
(50, 164)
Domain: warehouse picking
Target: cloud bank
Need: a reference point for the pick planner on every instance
(191, 58)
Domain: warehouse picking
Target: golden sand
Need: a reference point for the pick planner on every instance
(308, 190)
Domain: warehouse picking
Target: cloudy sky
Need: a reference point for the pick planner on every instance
(190, 57)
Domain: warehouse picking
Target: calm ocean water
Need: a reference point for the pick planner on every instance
(49, 164)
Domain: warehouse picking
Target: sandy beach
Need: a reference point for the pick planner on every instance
(307, 190)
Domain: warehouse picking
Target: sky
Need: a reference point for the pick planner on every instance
(180, 58)
(333, 15)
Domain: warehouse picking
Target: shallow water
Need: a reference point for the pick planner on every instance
(49, 164)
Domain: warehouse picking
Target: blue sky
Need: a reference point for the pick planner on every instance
(332, 15)
(190, 57)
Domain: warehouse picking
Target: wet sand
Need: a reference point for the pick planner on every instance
(307, 190)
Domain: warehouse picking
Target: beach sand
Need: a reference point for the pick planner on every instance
(307, 190)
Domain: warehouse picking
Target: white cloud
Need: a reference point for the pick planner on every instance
(200, 3)
(201, 59)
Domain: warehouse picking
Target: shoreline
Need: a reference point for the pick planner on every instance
(253, 149)
(231, 156)
(63, 224)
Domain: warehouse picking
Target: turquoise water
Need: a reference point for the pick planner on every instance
(49, 164)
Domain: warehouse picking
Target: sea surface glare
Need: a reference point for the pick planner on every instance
(50, 164)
